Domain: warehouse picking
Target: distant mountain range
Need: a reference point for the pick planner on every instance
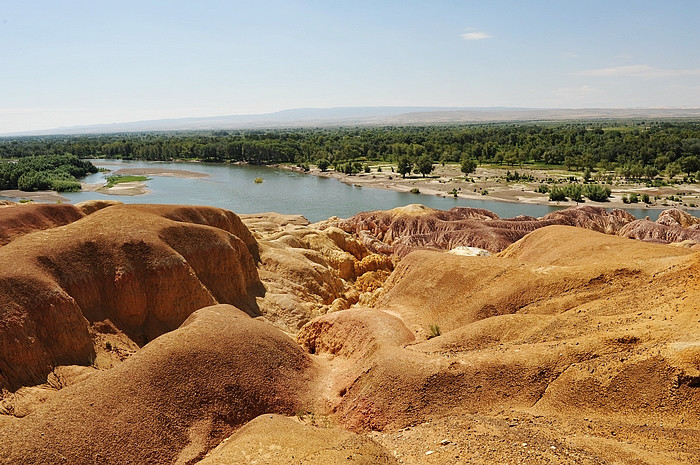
(372, 116)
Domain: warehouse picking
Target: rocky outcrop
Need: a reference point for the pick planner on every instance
(387, 226)
(130, 266)
(672, 226)
(646, 230)
(593, 218)
(171, 402)
(309, 271)
(402, 230)
(676, 217)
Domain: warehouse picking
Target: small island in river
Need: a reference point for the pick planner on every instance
(132, 181)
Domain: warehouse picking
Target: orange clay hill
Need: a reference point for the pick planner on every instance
(182, 335)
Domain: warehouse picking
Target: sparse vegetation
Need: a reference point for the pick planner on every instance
(434, 331)
(122, 178)
(576, 192)
(516, 177)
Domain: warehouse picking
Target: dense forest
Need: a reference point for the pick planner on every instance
(50, 172)
(635, 149)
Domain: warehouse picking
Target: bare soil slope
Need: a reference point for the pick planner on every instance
(172, 401)
(572, 345)
(140, 270)
(276, 440)
(572, 329)
(17, 219)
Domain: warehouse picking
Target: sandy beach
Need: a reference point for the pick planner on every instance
(38, 196)
(123, 188)
(490, 184)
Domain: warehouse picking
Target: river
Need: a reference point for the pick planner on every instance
(284, 191)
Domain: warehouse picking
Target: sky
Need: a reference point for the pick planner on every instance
(71, 62)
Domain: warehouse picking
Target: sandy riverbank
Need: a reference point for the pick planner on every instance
(160, 172)
(123, 188)
(490, 184)
(140, 187)
(38, 196)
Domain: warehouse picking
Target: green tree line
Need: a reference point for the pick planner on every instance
(636, 149)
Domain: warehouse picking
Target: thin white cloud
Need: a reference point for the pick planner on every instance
(641, 71)
(475, 36)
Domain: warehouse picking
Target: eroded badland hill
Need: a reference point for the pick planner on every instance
(176, 334)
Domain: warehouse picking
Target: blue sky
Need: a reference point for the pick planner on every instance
(69, 62)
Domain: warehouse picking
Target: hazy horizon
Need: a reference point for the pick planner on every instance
(366, 116)
(77, 63)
